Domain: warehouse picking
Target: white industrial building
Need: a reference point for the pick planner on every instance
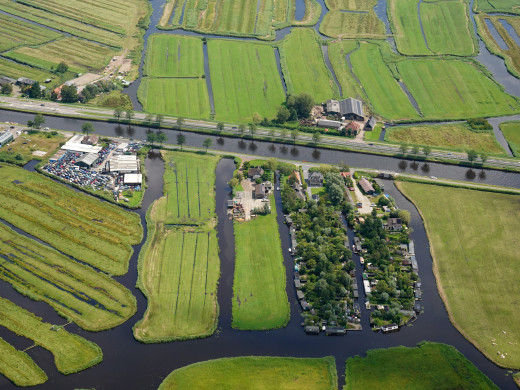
(74, 145)
(123, 164)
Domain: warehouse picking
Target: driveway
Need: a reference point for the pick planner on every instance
(366, 209)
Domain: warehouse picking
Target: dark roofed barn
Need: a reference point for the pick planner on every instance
(371, 123)
(366, 186)
(328, 123)
(352, 109)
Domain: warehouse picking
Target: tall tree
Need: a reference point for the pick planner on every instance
(283, 133)
(472, 155)
(483, 157)
(294, 135)
(38, 121)
(151, 138)
(282, 115)
(118, 112)
(129, 114)
(207, 143)
(220, 126)
(34, 91)
(69, 94)
(180, 121)
(252, 129)
(87, 128)
(161, 137)
(181, 139)
(158, 120)
(316, 137)
(62, 67)
(427, 150)
(6, 89)
(242, 129)
(148, 120)
(403, 148)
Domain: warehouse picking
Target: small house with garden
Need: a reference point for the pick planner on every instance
(255, 173)
(394, 224)
(315, 179)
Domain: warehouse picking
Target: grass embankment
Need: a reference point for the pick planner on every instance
(45, 142)
(259, 295)
(474, 236)
(90, 299)
(179, 265)
(511, 131)
(446, 24)
(71, 353)
(428, 366)
(261, 373)
(18, 367)
(453, 136)
(76, 224)
(245, 80)
(455, 89)
(385, 94)
(338, 52)
(303, 66)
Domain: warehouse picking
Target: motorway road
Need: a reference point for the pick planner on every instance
(97, 113)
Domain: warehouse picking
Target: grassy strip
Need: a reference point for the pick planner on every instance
(511, 131)
(96, 233)
(179, 264)
(72, 353)
(427, 366)
(92, 300)
(264, 373)
(338, 24)
(259, 295)
(14, 32)
(245, 80)
(18, 367)
(471, 272)
(454, 136)
(338, 52)
(374, 134)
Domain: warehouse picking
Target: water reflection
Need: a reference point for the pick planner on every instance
(119, 131)
(294, 152)
(316, 154)
(470, 174)
(220, 141)
(482, 175)
(283, 149)
(425, 167)
(414, 165)
(241, 144)
(130, 131)
(402, 165)
(272, 148)
(253, 146)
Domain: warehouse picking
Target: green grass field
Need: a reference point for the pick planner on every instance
(373, 135)
(339, 24)
(44, 142)
(454, 89)
(455, 136)
(338, 51)
(14, 32)
(259, 373)
(303, 66)
(76, 224)
(245, 80)
(430, 366)
(80, 55)
(352, 5)
(18, 367)
(15, 70)
(385, 94)
(181, 97)
(72, 353)
(179, 265)
(498, 6)
(174, 56)
(511, 131)
(259, 296)
(477, 275)
(406, 27)
(90, 299)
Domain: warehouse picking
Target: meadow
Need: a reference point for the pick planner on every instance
(15, 33)
(338, 52)
(498, 6)
(383, 91)
(264, 373)
(339, 24)
(453, 136)
(511, 131)
(429, 366)
(97, 233)
(71, 353)
(174, 56)
(15, 70)
(80, 55)
(303, 66)
(352, 5)
(374, 134)
(179, 97)
(245, 80)
(477, 278)
(91, 299)
(18, 367)
(179, 265)
(45, 142)
(454, 89)
(259, 295)
(406, 27)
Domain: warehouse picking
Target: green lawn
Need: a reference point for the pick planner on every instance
(406, 27)
(15, 70)
(179, 266)
(76, 224)
(454, 89)
(181, 97)
(303, 66)
(455, 136)
(339, 24)
(430, 366)
(383, 91)
(498, 6)
(259, 295)
(72, 353)
(18, 367)
(511, 131)
(245, 80)
(447, 27)
(259, 373)
(174, 56)
(474, 240)
(374, 134)
(91, 299)
(337, 55)
(14, 32)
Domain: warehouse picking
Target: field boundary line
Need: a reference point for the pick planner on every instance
(193, 271)
(180, 272)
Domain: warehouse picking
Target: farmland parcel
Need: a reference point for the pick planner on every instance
(179, 265)
(266, 373)
(339, 24)
(18, 367)
(97, 233)
(338, 52)
(428, 366)
(477, 278)
(245, 80)
(71, 352)
(511, 131)
(259, 295)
